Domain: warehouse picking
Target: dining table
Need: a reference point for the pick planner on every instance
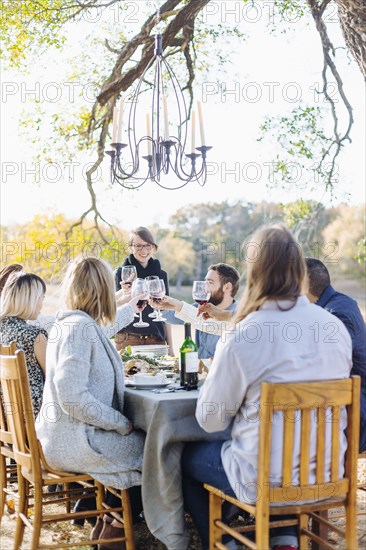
(168, 419)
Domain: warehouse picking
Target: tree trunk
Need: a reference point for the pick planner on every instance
(352, 15)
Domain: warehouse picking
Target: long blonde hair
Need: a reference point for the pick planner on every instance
(89, 286)
(276, 269)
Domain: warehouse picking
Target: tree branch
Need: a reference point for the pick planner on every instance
(317, 11)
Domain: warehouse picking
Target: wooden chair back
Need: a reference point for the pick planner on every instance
(5, 434)
(19, 413)
(310, 413)
(313, 409)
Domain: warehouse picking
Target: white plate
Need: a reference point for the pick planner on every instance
(156, 349)
(151, 386)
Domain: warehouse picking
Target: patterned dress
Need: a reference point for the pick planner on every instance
(14, 329)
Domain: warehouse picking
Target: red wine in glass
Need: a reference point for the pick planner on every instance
(201, 302)
(141, 304)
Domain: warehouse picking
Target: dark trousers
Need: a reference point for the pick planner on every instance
(201, 463)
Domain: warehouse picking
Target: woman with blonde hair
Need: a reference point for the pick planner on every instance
(273, 340)
(81, 426)
(21, 301)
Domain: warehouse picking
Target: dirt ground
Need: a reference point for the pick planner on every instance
(65, 532)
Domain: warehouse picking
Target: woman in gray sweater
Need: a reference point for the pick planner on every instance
(81, 425)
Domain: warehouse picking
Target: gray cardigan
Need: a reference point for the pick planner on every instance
(81, 425)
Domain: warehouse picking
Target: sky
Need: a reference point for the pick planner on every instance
(266, 74)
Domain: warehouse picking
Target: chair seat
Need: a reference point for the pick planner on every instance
(50, 478)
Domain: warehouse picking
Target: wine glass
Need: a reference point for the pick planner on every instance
(139, 286)
(128, 275)
(157, 293)
(201, 292)
(154, 313)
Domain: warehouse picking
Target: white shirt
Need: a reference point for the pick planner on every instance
(302, 344)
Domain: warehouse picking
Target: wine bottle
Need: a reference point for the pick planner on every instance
(188, 360)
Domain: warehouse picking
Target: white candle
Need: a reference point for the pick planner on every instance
(200, 118)
(166, 119)
(148, 133)
(114, 131)
(120, 117)
(193, 131)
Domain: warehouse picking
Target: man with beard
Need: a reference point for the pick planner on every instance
(223, 281)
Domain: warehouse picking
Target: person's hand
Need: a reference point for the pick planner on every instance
(129, 429)
(208, 311)
(126, 288)
(167, 303)
(134, 300)
(122, 298)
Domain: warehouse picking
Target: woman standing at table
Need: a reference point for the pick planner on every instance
(142, 247)
(272, 341)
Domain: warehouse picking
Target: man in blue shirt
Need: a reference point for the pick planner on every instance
(346, 309)
(223, 280)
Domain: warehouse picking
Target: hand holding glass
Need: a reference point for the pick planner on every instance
(201, 292)
(154, 313)
(139, 286)
(157, 293)
(128, 275)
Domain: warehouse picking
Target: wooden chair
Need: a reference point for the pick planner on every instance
(33, 470)
(325, 398)
(8, 471)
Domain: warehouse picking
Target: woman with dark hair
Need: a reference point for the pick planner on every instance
(142, 246)
(21, 301)
(272, 340)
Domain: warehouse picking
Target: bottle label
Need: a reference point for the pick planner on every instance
(191, 361)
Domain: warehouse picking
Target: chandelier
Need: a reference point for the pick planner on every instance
(160, 152)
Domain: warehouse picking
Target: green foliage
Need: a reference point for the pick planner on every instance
(302, 142)
(41, 247)
(28, 27)
(360, 255)
(199, 235)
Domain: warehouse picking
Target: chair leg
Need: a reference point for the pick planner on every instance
(351, 526)
(23, 492)
(127, 520)
(319, 529)
(215, 533)
(37, 515)
(3, 485)
(303, 524)
(262, 529)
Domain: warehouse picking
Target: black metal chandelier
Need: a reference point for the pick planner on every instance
(161, 152)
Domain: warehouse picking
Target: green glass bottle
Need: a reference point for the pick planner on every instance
(188, 360)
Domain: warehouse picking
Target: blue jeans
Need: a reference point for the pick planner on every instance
(201, 463)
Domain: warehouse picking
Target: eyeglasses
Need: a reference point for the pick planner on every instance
(141, 246)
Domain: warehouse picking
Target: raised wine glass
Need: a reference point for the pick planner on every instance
(128, 275)
(157, 293)
(139, 286)
(154, 313)
(201, 292)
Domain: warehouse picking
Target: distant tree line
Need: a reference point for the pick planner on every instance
(197, 235)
